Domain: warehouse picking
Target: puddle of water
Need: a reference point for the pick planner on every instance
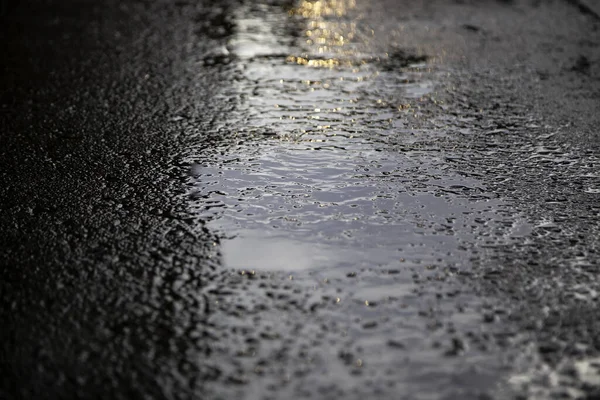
(305, 180)
(268, 251)
(309, 159)
(251, 251)
(343, 199)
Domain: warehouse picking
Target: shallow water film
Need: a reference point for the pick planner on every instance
(323, 174)
(301, 199)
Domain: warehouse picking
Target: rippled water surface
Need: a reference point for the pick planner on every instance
(308, 168)
(318, 169)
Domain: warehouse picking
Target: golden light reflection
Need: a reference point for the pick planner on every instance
(328, 34)
(321, 62)
(321, 8)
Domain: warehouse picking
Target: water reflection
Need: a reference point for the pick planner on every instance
(310, 147)
(319, 174)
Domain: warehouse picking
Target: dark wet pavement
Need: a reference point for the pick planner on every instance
(316, 199)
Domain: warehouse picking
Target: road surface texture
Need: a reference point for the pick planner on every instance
(300, 199)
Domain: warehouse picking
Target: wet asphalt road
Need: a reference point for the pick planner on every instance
(329, 199)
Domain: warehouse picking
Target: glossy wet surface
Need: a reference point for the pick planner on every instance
(320, 175)
(325, 154)
(299, 199)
